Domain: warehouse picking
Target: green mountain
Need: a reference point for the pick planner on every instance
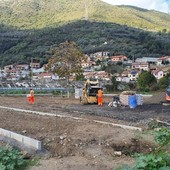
(28, 14)
(29, 27)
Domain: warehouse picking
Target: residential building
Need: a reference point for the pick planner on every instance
(140, 66)
(158, 74)
(8, 67)
(133, 75)
(88, 75)
(101, 58)
(125, 73)
(22, 67)
(166, 70)
(102, 75)
(86, 64)
(123, 79)
(45, 75)
(35, 65)
(12, 72)
(100, 53)
(163, 61)
(150, 60)
(120, 58)
(39, 70)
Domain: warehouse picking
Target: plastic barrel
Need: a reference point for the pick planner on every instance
(132, 101)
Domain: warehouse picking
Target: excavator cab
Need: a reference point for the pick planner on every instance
(90, 91)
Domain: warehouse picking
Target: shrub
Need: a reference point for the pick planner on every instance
(153, 162)
(12, 159)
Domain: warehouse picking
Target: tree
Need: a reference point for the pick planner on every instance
(163, 82)
(114, 83)
(113, 86)
(146, 80)
(66, 60)
(80, 77)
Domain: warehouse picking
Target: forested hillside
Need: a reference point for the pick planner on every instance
(28, 14)
(29, 27)
(20, 45)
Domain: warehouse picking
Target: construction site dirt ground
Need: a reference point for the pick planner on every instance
(81, 143)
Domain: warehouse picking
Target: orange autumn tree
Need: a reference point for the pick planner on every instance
(66, 60)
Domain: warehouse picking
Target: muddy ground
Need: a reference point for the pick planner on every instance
(82, 144)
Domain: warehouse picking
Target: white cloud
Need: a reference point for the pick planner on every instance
(159, 5)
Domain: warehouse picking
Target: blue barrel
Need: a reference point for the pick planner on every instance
(132, 101)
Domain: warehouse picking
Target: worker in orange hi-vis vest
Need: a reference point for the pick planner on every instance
(31, 98)
(100, 97)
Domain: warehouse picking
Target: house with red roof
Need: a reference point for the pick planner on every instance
(119, 58)
(45, 75)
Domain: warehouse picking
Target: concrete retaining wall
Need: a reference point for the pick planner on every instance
(24, 140)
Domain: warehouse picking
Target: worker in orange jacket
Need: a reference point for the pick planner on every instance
(31, 98)
(100, 97)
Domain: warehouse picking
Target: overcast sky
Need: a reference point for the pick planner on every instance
(159, 5)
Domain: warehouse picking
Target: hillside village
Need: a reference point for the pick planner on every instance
(23, 75)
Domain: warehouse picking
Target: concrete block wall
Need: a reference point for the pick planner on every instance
(27, 141)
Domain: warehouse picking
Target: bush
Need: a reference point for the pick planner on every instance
(153, 162)
(12, 160)
(163, 136)
(163, 82)
(146, 80)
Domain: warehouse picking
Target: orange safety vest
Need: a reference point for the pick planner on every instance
(100, 93)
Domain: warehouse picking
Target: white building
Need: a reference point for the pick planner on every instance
(158, 74)
(140, 66)
(163, 61)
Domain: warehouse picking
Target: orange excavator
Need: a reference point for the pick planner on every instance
(168, 91)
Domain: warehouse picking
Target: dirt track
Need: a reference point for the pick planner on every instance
(139, 116)
(78, 143)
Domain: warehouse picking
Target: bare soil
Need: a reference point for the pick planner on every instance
(82, 144)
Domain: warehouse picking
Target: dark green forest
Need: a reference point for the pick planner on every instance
(18, 46)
